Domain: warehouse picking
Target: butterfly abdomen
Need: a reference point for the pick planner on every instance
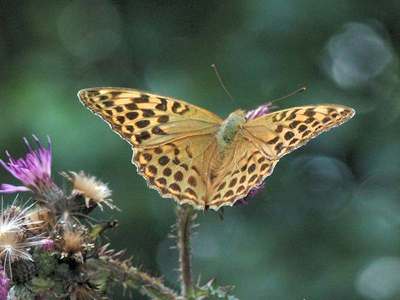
(229, 128)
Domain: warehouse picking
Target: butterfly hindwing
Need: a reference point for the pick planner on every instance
(245, 167)
(179, 169)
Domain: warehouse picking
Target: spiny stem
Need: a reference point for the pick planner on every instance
(132, 277)
(153, 287)
(185, 217)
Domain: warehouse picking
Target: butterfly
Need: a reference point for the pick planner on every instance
(191, 155)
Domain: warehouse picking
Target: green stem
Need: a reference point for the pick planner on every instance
(185, 217)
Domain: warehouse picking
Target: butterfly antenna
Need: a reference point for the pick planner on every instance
(300, 90)
(221, 82)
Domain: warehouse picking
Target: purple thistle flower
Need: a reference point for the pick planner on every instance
(259, 111)
(47, 245)
(33, 170)
(253, 192)
(4, 284)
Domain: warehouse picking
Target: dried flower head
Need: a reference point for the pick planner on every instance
(41, 218)
(74, 241)
(16, 240)
(93, 190)
(33, 171)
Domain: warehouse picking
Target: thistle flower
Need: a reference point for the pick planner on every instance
(15, 238)
(4, 284)
(33, 171)
(255, 190)
(259, 111)
(93, 190)
(252, 193)
(48, 245)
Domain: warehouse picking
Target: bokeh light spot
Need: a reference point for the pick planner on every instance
(380, 279)
(356, 55)
(90, 30)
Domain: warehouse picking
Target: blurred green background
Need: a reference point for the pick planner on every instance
(327, 224)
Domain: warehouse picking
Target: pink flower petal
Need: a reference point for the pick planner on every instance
(4, 285)
(259, 111)
(9, 189)
(33, 170)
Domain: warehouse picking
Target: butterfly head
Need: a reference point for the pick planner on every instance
(239, 113)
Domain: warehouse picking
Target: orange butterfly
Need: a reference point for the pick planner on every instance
(193, 156)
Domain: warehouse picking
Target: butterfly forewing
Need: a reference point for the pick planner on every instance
(145, 119)
(280, 132)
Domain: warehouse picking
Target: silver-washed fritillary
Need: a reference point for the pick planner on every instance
(193, 156)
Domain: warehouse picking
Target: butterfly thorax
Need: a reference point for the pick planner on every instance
(227, 132)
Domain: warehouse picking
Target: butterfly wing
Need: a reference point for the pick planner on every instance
(244, 167)
(172, 140)
(179, 169)
(148, 120)
(261, 142)
(278, 133)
